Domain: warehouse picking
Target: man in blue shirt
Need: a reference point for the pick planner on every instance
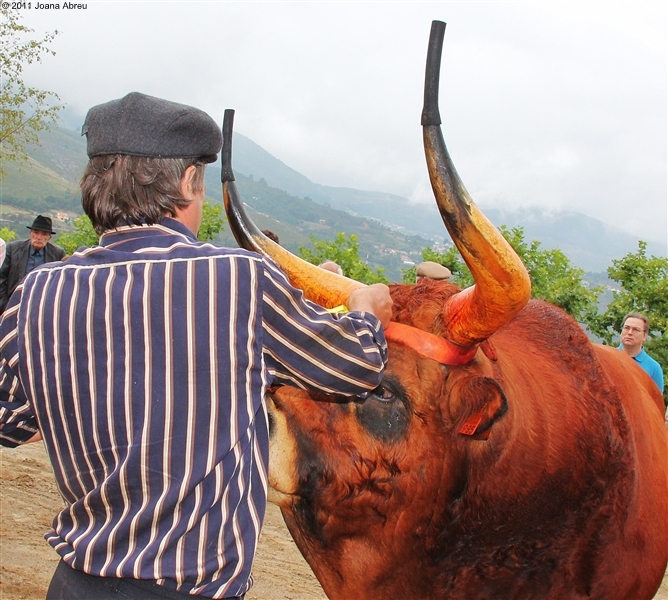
(635, 330)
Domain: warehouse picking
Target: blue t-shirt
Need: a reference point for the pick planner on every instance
(651, 367)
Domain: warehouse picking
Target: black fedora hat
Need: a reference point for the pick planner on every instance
(42, 224)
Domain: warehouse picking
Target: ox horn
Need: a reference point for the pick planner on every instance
(320, 286)
(502, 285)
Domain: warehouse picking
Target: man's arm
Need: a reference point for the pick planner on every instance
(308, 347)
(18, 424)
(657, 376)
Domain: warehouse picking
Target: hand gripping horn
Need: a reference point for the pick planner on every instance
(502, 285)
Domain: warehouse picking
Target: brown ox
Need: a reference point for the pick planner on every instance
(513, 460)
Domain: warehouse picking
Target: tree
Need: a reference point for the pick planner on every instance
(24, 110)
(344, 252)
(553, 277)
(83, 235)
(212, 221)
(7, 234)
(643, 288)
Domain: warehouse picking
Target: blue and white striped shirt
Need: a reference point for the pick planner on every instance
(144, 362)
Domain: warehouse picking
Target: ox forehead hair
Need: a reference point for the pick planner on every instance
(421, 305)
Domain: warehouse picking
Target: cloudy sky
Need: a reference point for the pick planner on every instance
(556, 104)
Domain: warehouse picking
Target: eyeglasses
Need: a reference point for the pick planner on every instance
(628, 328)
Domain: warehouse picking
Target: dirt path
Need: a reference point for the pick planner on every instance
(29, 500)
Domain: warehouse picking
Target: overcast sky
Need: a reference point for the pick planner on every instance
(561, 105)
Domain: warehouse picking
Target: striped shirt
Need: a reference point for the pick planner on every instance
(144, 362)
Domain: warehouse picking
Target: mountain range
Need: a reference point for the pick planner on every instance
(588, 242)
(391, 231)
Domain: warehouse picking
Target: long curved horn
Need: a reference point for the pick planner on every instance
(502, 285)
(320, 286)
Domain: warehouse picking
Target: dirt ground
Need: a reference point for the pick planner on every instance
(29, 500)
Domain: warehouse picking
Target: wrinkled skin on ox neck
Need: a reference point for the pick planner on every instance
(386, 499)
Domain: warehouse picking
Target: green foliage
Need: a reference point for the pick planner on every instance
(83, 235)
(344, 252)
(643, 288)
(25, 110)
(212, 221)
(553, 277)
(7, 234)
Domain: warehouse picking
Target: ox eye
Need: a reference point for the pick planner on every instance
(385, 393)
(385, 413)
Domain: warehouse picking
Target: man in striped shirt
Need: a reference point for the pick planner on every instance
(142, 363)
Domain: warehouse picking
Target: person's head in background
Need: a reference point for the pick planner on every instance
(330, 265)
(431, 270)
(271, 235)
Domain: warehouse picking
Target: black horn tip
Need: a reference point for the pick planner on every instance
(438, 27)
(227, 174)
(430, 112)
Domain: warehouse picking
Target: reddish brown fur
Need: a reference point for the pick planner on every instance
(567, 499)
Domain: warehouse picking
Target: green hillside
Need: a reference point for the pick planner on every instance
(389, 227)
(47, 184)
(34, 180)
(295, 220)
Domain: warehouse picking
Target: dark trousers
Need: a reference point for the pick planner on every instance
(69, 584)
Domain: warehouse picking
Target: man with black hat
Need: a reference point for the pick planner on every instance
(23, 256)
(143, 364)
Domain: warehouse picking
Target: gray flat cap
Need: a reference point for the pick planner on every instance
(432, 270)
(142, 125)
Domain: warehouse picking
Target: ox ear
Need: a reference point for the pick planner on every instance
(475, 405)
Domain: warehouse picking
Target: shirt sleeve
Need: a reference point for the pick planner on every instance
(307, 347)
(658, 376)
(17, 419)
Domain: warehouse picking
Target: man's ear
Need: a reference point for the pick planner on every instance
(186, 183)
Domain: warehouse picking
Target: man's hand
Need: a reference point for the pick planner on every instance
(374, 299)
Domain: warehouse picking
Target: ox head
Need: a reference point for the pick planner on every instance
(528, 465)
(359, 479)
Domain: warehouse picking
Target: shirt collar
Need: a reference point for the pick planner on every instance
(640, 357)
(166, 226)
